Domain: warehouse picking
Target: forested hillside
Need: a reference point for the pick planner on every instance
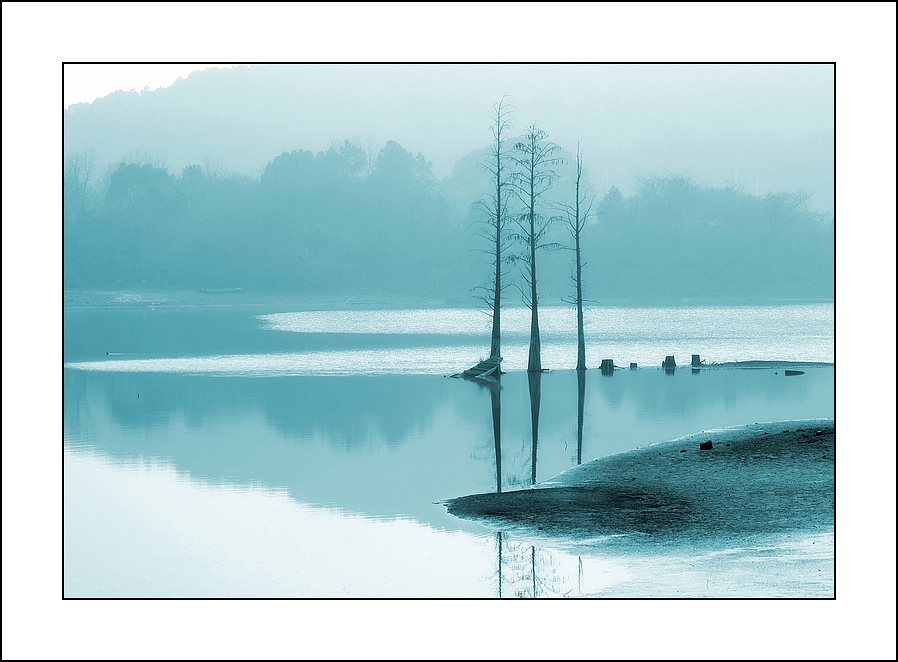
(348, 221)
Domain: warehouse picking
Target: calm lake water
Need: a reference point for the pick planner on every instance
(263, 451)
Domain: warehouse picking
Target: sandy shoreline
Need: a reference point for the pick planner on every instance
(757, 479)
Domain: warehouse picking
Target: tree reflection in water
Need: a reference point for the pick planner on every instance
(581, 393)
(534, 379)
(522, 570)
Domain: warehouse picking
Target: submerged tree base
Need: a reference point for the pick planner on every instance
(486, 369)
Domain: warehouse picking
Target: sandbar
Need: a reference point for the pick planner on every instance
(765, 478)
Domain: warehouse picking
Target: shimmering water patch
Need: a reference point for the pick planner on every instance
(772, 330)
(446, 359)
(411, 360)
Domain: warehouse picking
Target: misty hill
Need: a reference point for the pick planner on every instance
(244, 115)
(769, 128)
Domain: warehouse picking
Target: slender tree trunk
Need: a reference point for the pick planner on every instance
(536, 174)
(533, 364)
(581, 341)
(495, 349)
(495, 345)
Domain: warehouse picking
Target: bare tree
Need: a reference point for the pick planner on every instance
(371, 149)
(147, 157)
(575, 217)
(493, 230)
(496, 214)
(213, 167)
(78, 173)
(535, 159)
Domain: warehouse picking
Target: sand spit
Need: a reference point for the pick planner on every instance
(758, 479)
(753, 365)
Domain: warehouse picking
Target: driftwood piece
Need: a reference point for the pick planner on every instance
(485, 368)
(488, 374)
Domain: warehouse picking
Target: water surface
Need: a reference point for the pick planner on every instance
(219, 470)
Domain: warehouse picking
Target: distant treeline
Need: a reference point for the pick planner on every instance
(674, 238)
(351, 220)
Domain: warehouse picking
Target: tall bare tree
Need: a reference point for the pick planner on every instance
(494, 231)
(535, 158)
(497, 215)
(575, 217)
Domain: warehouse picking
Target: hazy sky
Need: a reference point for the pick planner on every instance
(764, 127)
(85, 82)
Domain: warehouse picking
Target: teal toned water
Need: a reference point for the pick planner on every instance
(253, 451)
(246, 340)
